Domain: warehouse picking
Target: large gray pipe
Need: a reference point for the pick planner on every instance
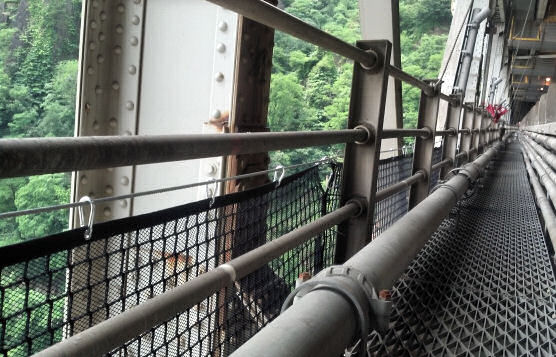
(544, 206)
(493, 86)
(548, 142)
(476, 19)
(547, 177)
(547, 158)
(323, 323)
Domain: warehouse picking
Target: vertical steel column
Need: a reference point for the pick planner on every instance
(467, 137)
(477, 121)
(451, 142)
(424, 147)
(368, 98)
(250, 99)
(107, 101)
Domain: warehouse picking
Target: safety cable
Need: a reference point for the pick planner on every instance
(158, 191)
(463, 22)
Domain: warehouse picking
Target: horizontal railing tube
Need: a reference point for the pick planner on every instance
(447, 132)
(322, 323)
(272, 16)
(404, 133)
(409, 79)
(441, 164)
(543, 203)
(400, 186)
(448, 99)
(116, 331)
(22, 157)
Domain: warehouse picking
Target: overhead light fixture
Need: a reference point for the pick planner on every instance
(542, 89)
(548, 79)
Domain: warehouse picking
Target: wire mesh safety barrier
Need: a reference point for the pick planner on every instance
(391, 171)
(57, 286)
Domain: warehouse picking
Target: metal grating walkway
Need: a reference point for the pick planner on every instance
(483, 285)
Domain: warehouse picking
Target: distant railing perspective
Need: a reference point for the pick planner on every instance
(213, 290)
(538, 137)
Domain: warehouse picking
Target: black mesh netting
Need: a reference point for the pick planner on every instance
(56, 286)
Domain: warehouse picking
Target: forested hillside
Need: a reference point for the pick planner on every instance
(39, 43)
(310, 88)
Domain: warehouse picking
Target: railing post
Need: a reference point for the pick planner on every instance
(368, 97)
(451, 141)
(467, 126)
(477, 120)
(424, 147)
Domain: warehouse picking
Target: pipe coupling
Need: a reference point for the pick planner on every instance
(372, 309)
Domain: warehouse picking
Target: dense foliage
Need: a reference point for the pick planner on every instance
(310, 88)
(39, 43)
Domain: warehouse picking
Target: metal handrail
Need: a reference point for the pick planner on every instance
(404, 133)
(109, 334)
(272, 16)
(95, 201)
(34, 156)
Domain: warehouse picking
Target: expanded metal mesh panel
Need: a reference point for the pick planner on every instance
(435, 174)
(483, 285)
(391, 171)
(59, 285)
(389, 210)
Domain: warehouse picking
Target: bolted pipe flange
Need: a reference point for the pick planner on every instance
(369, 130)
(373, 308)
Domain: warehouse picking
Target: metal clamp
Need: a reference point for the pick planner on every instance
(212, 193)
(369, 129)
(278, 179)
(373, 312)
(89, 231)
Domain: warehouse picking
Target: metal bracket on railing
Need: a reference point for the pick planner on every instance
(378, 64)
(369, 129)
(373, 309)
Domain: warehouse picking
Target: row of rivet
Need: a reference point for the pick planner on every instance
(219, 76)
(97, 36)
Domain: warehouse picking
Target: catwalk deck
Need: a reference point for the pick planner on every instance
(483, 285)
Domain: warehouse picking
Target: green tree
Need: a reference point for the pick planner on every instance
(286, 111)
(9, 232)
(43, 190)
(59, 104)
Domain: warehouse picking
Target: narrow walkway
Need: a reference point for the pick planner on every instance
(483, 285)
